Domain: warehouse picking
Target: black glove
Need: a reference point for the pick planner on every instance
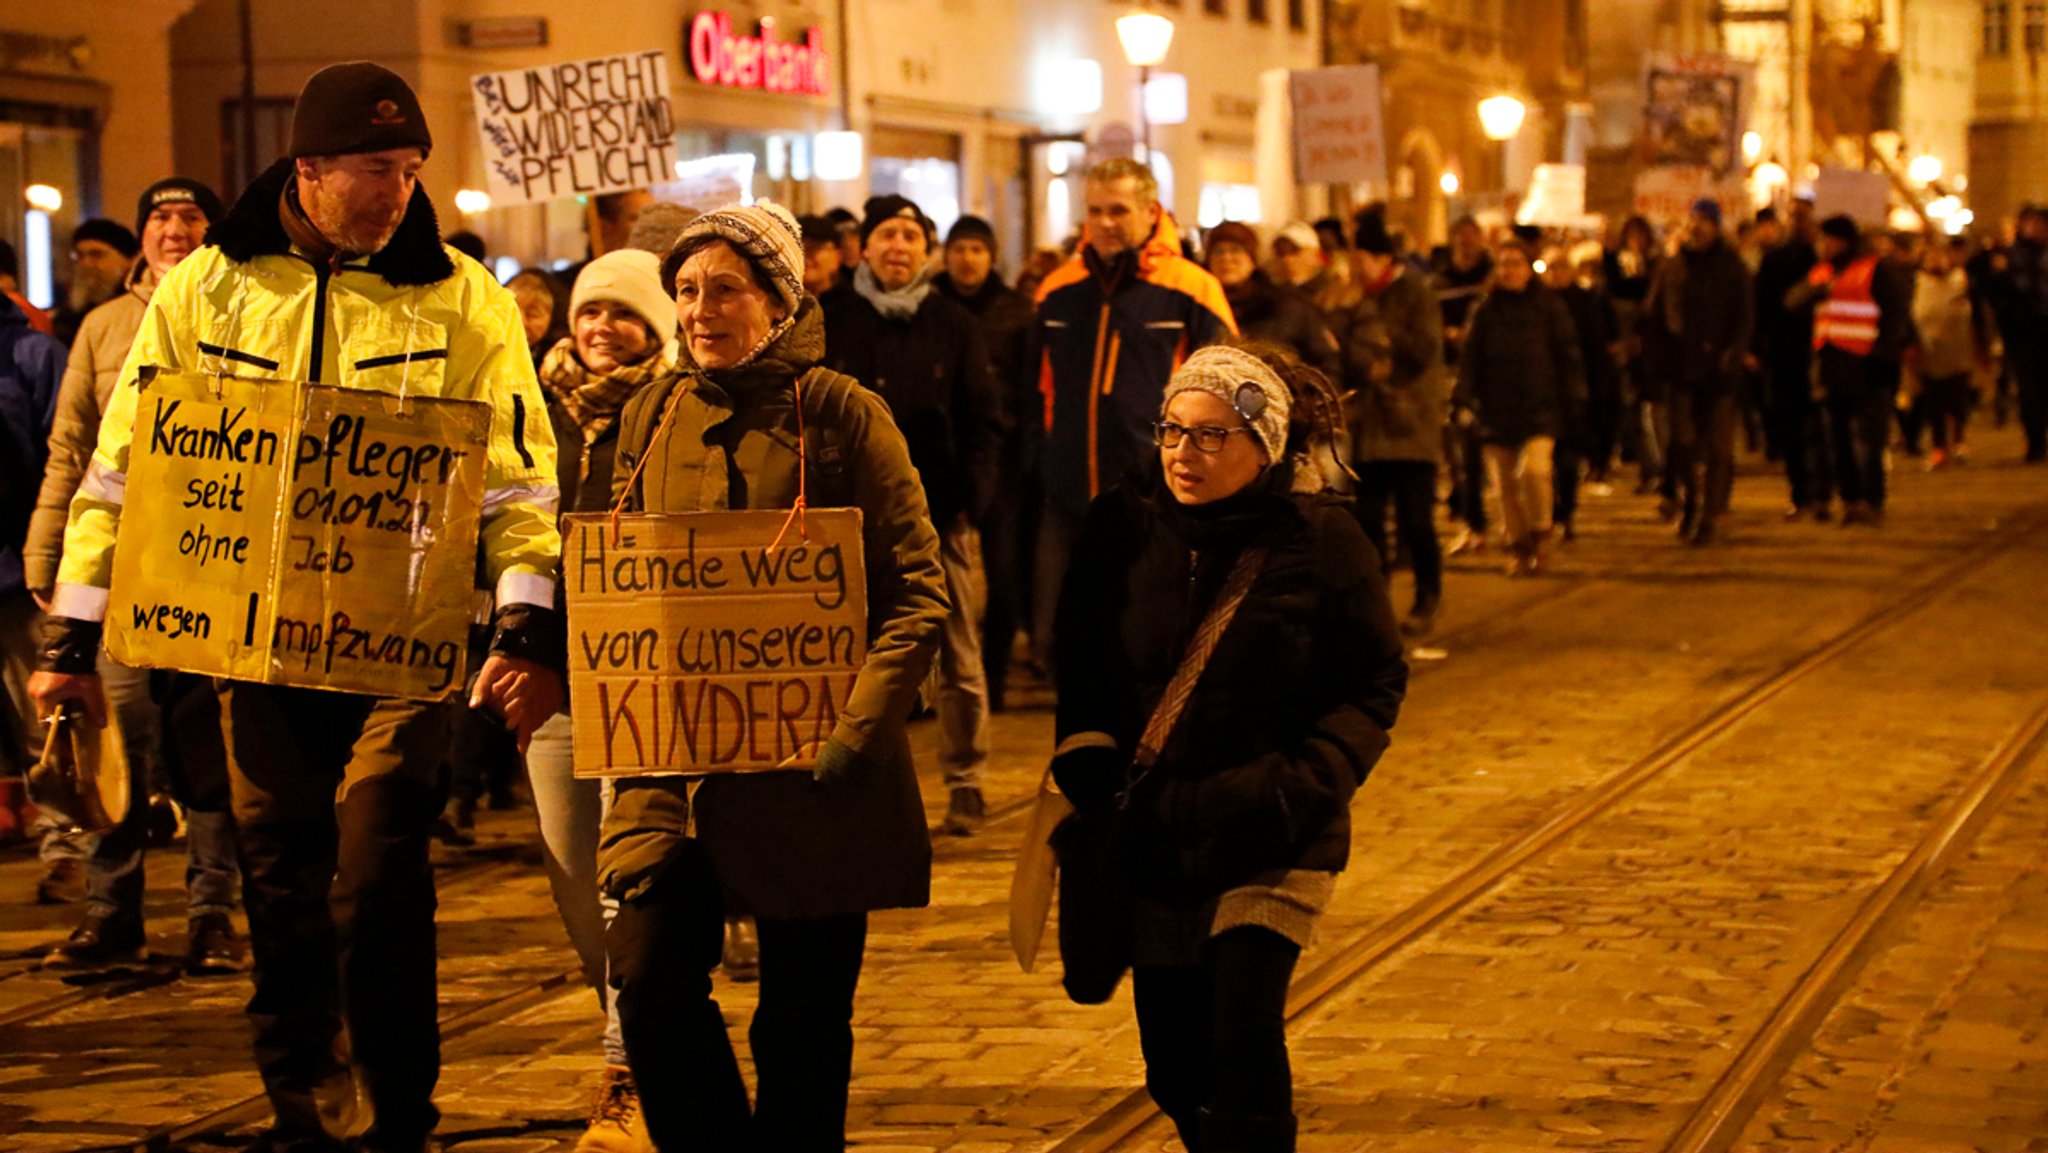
(533, 633)
(1091, 776)
(838, 764)
(69, 646)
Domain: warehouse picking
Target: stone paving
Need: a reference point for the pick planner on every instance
(1587, 1002)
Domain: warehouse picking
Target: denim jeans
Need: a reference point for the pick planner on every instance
(114, 879)
(963, 684)
(570, 812)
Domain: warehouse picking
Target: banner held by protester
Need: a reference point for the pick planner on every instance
(579, 128)
(699, 644)
(299, 534)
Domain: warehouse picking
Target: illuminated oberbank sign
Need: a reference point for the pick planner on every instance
(759, 62)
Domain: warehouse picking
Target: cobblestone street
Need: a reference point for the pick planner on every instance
(1701, 849)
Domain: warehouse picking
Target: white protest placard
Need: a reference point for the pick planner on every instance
(1865, 197)
(577, 129)
(715, 642)
(1557, 197)
(299, 534)
(1339, 137)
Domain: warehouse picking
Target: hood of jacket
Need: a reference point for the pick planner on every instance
(414, 256)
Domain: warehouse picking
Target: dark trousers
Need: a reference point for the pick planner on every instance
(1567, 461)
(1468, 496)
(1214, 1036)
(662, 948)
(1801, 432)
(1603, 431)
(1410, 487)
(1946, 402)
(2030, 381)
(1703, 449)
(334, 796)
(1859, 402)
(1008, 533)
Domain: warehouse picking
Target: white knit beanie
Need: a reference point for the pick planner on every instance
(632, 278)
(765, 233)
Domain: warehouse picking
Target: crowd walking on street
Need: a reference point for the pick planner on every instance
(1167, 479)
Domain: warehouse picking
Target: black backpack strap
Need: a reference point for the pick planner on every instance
(827, 397)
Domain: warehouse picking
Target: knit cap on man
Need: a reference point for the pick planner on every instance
(631, 277)
(177, 190)
(891, 207)
(762, 232)
(357, 107)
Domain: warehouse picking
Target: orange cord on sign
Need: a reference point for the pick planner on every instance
(796, 511)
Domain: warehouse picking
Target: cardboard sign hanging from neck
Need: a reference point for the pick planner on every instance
(299, 534)
(699, 645)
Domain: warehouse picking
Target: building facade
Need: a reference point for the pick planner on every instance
(982, 106)
(2009, 132)
(83, 86)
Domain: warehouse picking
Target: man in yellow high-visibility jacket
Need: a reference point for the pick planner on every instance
(330, 268)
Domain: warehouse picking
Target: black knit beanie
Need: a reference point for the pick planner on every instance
(107, 232)
(1842, 228)
(884, 208)
(972, 228)
(177, 190)
(357, 107)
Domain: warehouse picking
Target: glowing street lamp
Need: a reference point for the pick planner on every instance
(43, 198)
(1924, 169)
(1501, 117)
(470, 201)
(1449, 183)
(1145, 36)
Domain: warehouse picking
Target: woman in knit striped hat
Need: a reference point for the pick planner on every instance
(750, 420)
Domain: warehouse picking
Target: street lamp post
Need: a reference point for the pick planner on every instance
(1145, 37)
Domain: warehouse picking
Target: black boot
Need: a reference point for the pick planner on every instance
(1246, 1133)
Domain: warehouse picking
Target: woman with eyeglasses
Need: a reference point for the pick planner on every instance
(1235, 817)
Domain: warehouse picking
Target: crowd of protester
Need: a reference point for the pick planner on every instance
(1130, 422)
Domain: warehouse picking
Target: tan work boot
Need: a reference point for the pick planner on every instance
(615, 1124)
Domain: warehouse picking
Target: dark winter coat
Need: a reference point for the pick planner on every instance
(1784, 336)
(934, 372)
(782, 844)
(1265, 311)
(1108, 337)
(1292, 711)
(1004, 316)
(1703, 304)
(31, 368)
(1399, 392)
(1458, 292)
(1593, 318)
(1521, 374)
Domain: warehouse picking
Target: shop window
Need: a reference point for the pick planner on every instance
(1221, 202)
(1997, 28)
(1259, 11)
(268, 125)
(2037, 28)
(1297, 15)
(930, 183)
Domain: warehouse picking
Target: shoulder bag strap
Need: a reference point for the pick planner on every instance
(1182, 686)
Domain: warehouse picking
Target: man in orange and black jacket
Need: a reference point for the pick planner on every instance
(1113, 324)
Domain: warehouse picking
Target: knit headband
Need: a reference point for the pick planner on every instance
(1242, 381)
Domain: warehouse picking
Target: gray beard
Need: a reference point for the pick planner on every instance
(88, 292)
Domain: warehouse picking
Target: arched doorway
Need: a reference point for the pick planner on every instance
(1419, 205)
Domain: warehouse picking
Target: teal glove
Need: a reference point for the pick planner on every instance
(838, 764)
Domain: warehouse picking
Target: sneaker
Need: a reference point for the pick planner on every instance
(212, 946)
(63, 883)
(1421, 619)
(965, 811)
(742, 956)
(1467, 541)
(615, 1125)
(1937, 460)
(105, 937)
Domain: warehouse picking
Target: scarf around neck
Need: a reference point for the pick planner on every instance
(593, 400)
(903, 303)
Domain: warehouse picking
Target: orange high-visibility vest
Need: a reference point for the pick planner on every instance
(1848, 318)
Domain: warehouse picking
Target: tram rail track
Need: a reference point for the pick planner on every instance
(1357, 955)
